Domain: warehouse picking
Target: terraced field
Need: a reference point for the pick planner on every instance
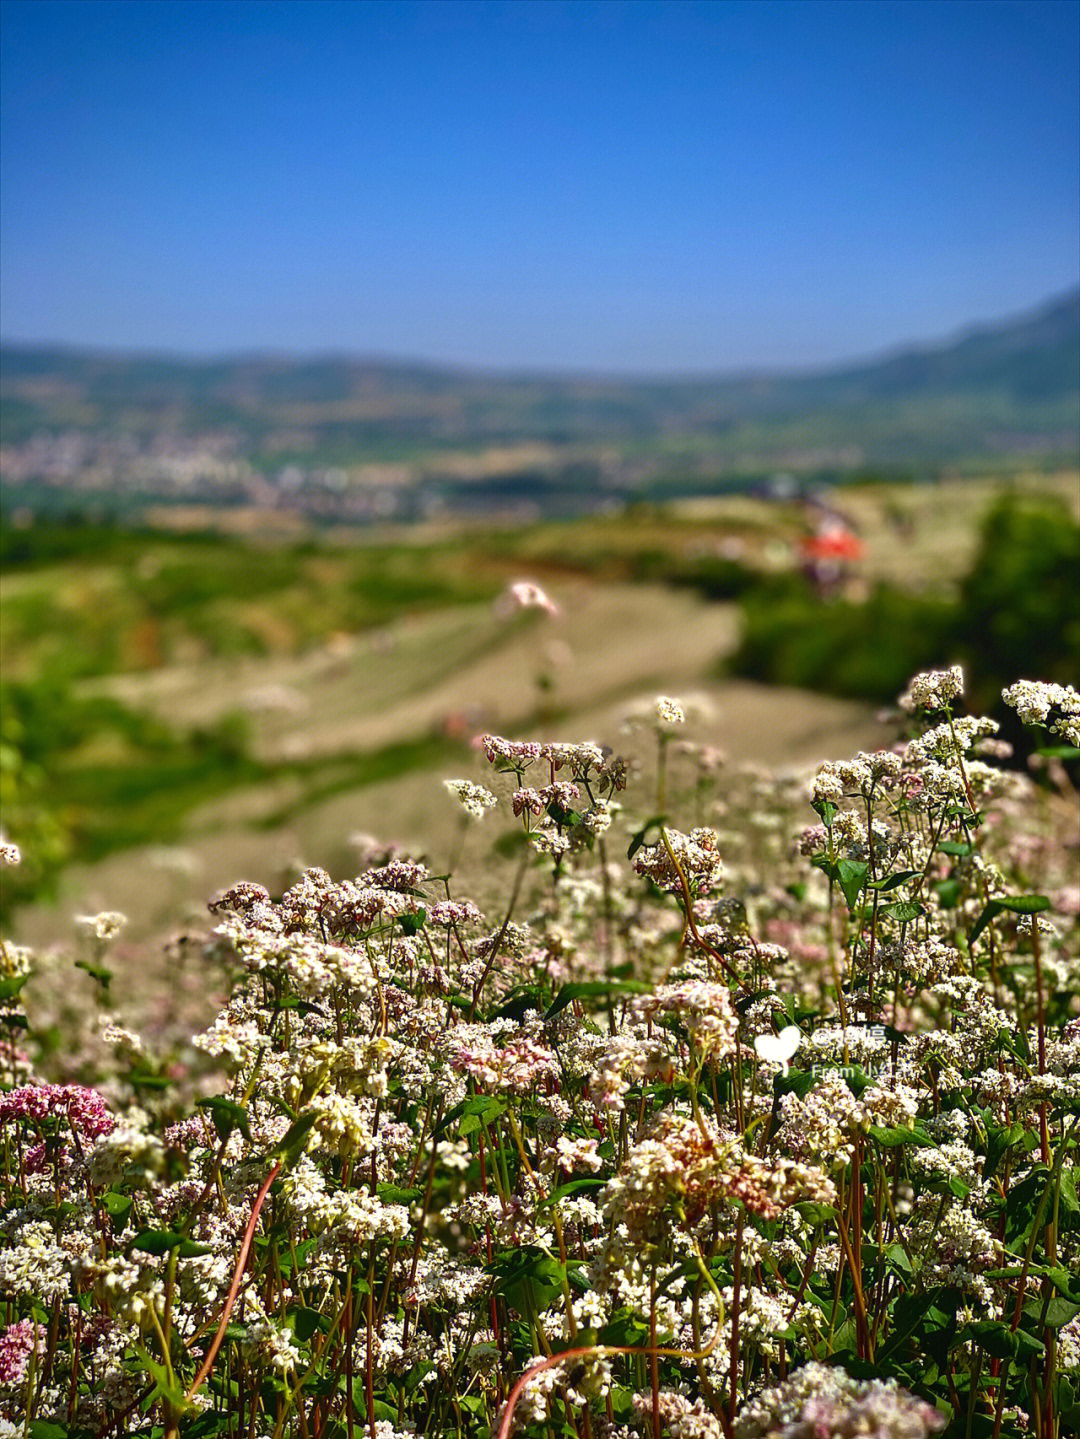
(219, 712)
(412, 695)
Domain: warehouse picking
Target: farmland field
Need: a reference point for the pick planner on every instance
(708, 1094)
(237, 707)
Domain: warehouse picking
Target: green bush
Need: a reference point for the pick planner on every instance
(792, 636)
(1019, 607)
(1017, 613)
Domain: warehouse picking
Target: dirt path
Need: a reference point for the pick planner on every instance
(614, 645)
(366, 691)
(160, 888)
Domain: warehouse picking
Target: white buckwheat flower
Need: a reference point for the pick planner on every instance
(822, 1399)
(103, 926)
(475, 799)
(933, 690)
(1034, 702)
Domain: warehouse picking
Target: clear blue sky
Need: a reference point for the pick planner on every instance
(635, 186)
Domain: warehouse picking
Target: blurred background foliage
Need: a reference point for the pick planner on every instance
(89, 765)
(1016, 615)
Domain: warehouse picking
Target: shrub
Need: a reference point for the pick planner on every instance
(1017, 612)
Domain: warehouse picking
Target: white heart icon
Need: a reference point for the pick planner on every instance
(778, 1048)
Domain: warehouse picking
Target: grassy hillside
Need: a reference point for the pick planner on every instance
(1009, 388)
(234, 697)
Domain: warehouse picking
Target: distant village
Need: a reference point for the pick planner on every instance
(76, 471)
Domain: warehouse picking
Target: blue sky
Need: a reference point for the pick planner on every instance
(608, 186)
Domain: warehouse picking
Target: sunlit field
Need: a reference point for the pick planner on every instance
(179, 704)
(738, 1105)
(563, 980)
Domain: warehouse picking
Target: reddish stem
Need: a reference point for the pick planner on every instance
(234, 1288)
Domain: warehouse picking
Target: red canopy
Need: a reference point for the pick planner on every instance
(833, 544)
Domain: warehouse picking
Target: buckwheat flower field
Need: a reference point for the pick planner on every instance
(748, 1109)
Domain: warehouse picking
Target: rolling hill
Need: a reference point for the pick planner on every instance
(997, 394)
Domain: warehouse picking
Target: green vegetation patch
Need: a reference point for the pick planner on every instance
(84, 601)
(1017, 612)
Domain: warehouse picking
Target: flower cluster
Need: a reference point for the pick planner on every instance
(1035, 703)
(689, 1143)
(820, 1399)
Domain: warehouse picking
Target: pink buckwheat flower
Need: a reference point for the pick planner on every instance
(527, 595)
(17, 1343)
(84, 1109)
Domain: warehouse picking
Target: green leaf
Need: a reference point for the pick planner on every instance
(891, 1136)
(9, 988)
(640, 837)
(191, 1249)
(1000, 1342)
(517, 1003)
(307, 1322)
(1066, 1284)
(212, 1422)
(510, 844)
(851, 876)
(480, 1111)
(227, 1115)
(904, 912)
(1015, 1042)
(816, 1214)
(957, 848)
(45, 1429)
(574, 1186)
(853, 1075)
(796, 1081)
(897, 1256)
(291, 1145)
(528, 1277)
(594, 989)
(915, 1314)
(1023, 1203)
(568, 818)
(1024, 903)
(948, 893)
(413, 923)
(117, 1207)
(999, 1140)
(156, 1241)
(481, 1107)
(1015, 904)
(625, 1327)
(1058, 1312)
(393, 1194)
(825, 809)
(1065, 1403)
(893, 881)
(419, 1372)
(285, 1257)
(96, 971)
(170, 1391)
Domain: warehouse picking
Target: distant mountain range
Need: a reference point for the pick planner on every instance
(998, 394)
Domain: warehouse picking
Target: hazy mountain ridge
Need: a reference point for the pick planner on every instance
(996, 389)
